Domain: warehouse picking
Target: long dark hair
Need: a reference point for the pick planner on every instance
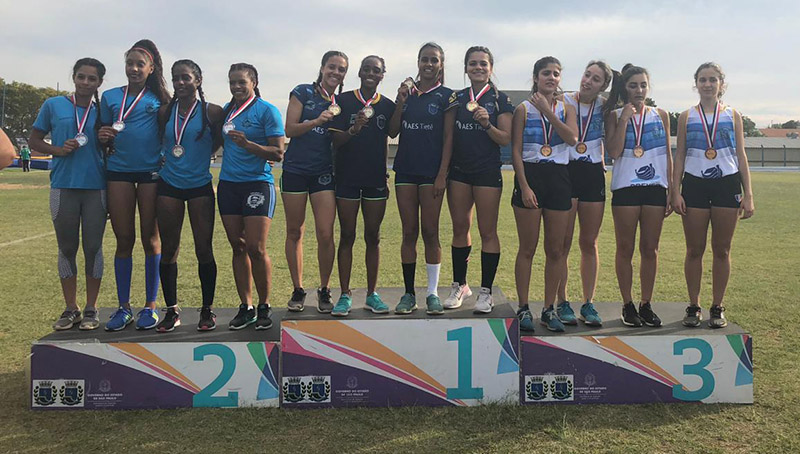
(101, 72)
(325, 57)
(485, 50)
(433, 45)
(253, 72)
(716, 67)
(198, 74)
(155, 80)
(619, 96)
(539, 66)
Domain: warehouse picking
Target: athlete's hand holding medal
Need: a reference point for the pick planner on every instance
(406, 88)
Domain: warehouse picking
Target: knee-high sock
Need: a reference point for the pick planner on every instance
(123, 267)
(460, 261)
(169, 283)
(151, 263)
(208, 281)
(409, 270)
(433, 277)
(489, 261)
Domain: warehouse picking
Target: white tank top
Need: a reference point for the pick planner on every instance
(722, 163)
(651, 168)
(594, 130)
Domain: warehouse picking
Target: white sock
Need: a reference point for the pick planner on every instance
(433, 277)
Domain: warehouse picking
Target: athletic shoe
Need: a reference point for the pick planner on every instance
(121, 318)
(245, 316)
(67, 320)
(589, 315)
(91, 320)
(525, 319)
(264, 317)
(693, 317)
(146, 318)
(407, 304)
(550, 319)
(434, 305)
(484, 304)
(648, 316)
(342, 308)
(566, 314)
(457, 294)
(376, 304)
(297, 301)
(208, 319)
(629, 315)
(171, 320)
(324, 305)
(717, 319)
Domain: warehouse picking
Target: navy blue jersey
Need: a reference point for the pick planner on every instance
(473, 150)
(362, 160)
(422, 133)
(310, 154)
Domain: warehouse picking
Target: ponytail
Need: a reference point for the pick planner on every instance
(619, 95)
(155, 80)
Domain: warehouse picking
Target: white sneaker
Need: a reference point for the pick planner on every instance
(457, 295)
(484, 304)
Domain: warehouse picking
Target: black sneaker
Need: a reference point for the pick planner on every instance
(717, 319)
(171, 320)
(693, 317)
(648, 316)
(324, 304)
(244, 317)
(208, 319)
(298, 300)
(264, 319)
(629, 315)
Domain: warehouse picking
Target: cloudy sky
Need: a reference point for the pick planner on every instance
(757, 43)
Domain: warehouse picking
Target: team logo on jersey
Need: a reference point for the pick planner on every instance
(310, 104)
(44, 393)
(381, 121)
(647, 172)
(433, 108)
(490, 107)
(405, 107)
(325, 179)
(71, 393)
(713, 172)
(255, 199)
(453, 97)
(247, 123)
(150, 108)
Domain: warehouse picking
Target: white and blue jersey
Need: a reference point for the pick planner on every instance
(533, 136)
(260, 121)
(137, 148)
(594, 133)
(83, 168)
(422, 133)
(726, 161)
(651, 168)
(190, 170)
(311, 153)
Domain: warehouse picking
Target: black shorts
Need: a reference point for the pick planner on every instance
(712, 192)
(359, 193)
(132, 177)
(250, 198)
(588, 181)
(167, 190)
(295, 183)
(635, 196)
(492, 178)
(404, 179)
(549, 182)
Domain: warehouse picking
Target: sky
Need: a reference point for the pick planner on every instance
(757, 43)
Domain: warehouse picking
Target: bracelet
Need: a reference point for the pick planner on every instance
(486, 128)
(350, 131)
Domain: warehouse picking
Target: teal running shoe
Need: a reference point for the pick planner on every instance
(434, 305)
(376, 304)
(407, 304)
(589, 315)
(342, 308)
(525, 319)
(551, 320)
(566, 314)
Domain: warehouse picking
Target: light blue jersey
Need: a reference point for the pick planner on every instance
(189, 169)
(137, 148)
(260, 121)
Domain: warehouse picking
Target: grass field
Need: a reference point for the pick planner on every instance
(760, 298)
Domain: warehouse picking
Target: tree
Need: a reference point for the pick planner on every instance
(21, 105)
(791, 124)
(750, 127)
(673, 123)
(649, 102)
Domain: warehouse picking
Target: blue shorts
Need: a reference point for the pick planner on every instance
(295, 183)
(361, 193)
(405, 179)
(250, 198)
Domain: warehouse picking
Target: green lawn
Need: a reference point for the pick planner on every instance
(760, 298)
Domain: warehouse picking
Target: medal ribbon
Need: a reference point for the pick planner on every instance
(483, 91)
(416, 90)
(361, 98)
(123, 113)
(241, 108)
(179, 130)
(637, 128)
(583, 129)
(710, 130)
(330, 96)
(547, 127)
(81, 123)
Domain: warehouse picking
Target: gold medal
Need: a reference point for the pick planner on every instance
(472, 105)
(638, 151)
(711, 153)
(368, 111)
(334, 109)
(581, 148)
(547, 150)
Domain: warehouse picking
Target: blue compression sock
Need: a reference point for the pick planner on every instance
(123, 267)
(151, 276)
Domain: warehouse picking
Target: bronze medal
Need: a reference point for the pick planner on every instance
(581, 148)
(638, 151)
(472, 105)
(711, 153)
(547, 150)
